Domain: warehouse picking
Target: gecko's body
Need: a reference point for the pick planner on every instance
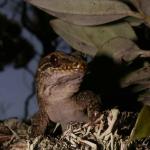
(58, 80)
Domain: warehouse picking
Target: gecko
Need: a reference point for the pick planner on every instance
(58, 81)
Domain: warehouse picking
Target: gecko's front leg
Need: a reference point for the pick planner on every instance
(90, 103)
(39, 123)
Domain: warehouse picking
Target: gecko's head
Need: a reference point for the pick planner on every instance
(59, 62)
(62, 69)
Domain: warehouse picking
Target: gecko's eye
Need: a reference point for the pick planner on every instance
(54, 61)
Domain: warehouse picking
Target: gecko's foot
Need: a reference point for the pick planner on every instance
(94, 116)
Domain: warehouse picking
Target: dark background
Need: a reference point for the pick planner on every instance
(25, 37)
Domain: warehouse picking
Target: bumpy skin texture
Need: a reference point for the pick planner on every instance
(58, 80)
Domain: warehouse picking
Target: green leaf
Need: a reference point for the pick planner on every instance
(142, 126)
(91, 39)
(136, 3)
(121, 49)
(143, 7)
(145, 96)
(85, 12)
(136, 76)
(134, 21)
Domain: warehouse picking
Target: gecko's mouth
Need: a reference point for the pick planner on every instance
(71, 78)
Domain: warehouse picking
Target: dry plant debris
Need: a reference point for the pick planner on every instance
(110, 131)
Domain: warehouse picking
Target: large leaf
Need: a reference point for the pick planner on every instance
(74, 35)
(142, 126)
(90, 39)
(122, 49)
(85, 12)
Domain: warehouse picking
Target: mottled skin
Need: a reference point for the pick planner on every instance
(58, 80)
